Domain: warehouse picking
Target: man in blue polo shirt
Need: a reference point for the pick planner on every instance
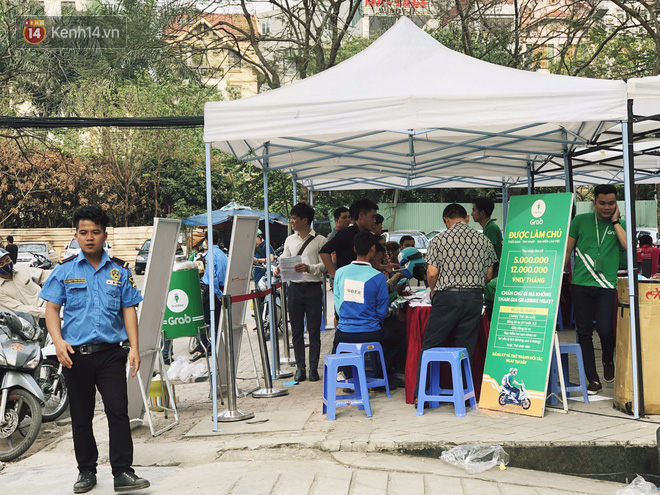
(99, 298)
(220, 262)
(362, 301)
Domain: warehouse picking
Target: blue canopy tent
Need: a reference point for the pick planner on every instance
(222, 216)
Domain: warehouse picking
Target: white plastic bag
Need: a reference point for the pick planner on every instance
(639, 486)
(475, 458)
(175, 368)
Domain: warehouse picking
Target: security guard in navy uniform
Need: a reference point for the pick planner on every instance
(99, 298)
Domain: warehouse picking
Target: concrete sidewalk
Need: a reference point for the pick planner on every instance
(290, 472)
(290, 446)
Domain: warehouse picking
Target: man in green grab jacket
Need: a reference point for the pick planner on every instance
(597, 239)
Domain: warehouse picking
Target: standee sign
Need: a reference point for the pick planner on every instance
(526, 304)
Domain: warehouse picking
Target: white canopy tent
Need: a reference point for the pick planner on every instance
(409, 108)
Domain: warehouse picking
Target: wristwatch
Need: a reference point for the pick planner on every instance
(616, 222)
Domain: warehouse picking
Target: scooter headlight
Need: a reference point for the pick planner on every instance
(33, 363)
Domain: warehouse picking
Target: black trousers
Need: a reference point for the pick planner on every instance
(205, 336)
(456, 313)
(305, 299)
(105, 371)
(589, 304)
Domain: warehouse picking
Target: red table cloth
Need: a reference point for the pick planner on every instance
(416, 318)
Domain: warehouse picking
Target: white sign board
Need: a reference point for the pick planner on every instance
(237, 281)
(152, 309)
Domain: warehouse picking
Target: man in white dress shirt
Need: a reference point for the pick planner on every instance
(305, 297)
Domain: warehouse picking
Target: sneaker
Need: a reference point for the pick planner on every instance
(608, 372)
(128, 481)
(594, 387)
(85, 482)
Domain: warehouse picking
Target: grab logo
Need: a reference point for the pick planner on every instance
(177, 301)
(538, 208)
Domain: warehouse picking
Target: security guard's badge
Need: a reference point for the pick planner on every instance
(114, 273)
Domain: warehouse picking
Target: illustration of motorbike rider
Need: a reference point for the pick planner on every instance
(509, 383)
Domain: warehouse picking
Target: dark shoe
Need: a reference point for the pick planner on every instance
(608, 372)
(395, 383)
(300, 375)
(594, 387)
(127, 482)
(196, 356)
(85, 482)
(314, 375)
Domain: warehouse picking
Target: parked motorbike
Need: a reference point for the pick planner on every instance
(261, 285)
(507, 397)
(22, 399)
(52, 383)
(40, 261)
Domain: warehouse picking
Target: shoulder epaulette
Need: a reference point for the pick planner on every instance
(122, 263)
(66, 260)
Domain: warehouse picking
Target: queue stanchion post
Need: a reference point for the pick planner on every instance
(232, 413)
(327, 324)
(286, 359)
(268, 391)
(275, 339)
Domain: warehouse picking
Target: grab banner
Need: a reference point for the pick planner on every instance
(526, 302)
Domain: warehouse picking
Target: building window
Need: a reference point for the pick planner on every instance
(234, 60)
(234, 92)
(264, 26)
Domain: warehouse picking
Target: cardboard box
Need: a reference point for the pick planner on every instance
(649, 318)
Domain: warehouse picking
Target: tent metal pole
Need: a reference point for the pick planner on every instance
(311, 202)
(529, 179)
(505, 204)
(629, 191)
(269, 280)
(568, 166)
(396, 202)
(210, 267)
(295, 188)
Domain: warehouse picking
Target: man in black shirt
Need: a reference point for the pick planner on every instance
(12, 248)
(363, 212)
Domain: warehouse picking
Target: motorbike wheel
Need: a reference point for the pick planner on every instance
(502, 399)
(56, 400)
(526, 404)
(22, 424)
(278, 321)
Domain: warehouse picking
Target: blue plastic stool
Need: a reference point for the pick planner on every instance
(553, 383)
(331, 365)
(431, 358)
(361, 350)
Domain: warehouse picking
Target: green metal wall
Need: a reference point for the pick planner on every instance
(428, 216)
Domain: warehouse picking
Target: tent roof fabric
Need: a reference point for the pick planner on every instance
(409, 107)
(222, 215)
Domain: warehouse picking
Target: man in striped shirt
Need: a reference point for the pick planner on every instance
(597, 238)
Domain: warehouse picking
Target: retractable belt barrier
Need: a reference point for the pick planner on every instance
(232, 413)
(268, 390)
